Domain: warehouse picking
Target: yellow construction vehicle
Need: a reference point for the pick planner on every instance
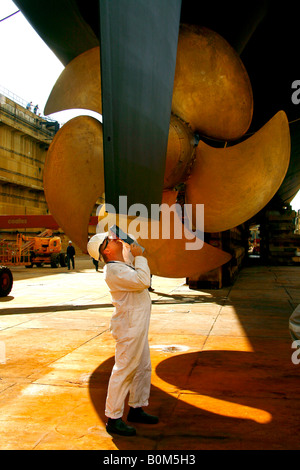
(44, 249)
(29, 251)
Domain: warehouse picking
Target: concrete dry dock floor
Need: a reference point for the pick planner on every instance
(223, 375)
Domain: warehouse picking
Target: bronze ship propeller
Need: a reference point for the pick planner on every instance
(212, 99)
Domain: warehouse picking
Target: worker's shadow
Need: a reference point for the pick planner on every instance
(208, 398)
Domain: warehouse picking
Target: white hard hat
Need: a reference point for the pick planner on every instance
(94, 244)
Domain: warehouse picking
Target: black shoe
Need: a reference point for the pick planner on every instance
(138, 415)
(117, 426)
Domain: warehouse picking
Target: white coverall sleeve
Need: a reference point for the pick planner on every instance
(128, 279)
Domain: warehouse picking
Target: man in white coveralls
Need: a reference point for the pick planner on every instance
(128, 285)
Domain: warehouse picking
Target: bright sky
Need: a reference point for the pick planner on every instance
(29, 69)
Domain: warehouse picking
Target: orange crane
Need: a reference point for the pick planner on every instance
(41, 249)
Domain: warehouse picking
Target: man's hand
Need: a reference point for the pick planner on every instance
(136, 250)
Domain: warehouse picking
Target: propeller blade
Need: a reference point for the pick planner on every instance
(236, 182)
(73, 176)
(78, 86)
(212, 90)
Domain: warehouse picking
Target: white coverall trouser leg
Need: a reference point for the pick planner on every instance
(132, 370)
